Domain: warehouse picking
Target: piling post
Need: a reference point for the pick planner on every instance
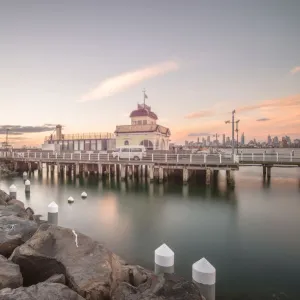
(123, 172)
(185, 175)
(13, 191)
(208, 176)
(27, 186)
(269, 172)
(264, 171)
(100, 171)
(164, 260)
(77, 170)
(160, 174)
(204, 275)
(53, 213)
(129, 171)
(151, 173)
(25, 175)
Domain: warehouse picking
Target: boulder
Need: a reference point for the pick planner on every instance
(57, 278)
(4, 197)
(12, 210)
(90, 269)
(41, 291)
(10, 275)
(14, 231)
(16, 202)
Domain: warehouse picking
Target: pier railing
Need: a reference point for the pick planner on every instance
(266, 158)
(109, 157)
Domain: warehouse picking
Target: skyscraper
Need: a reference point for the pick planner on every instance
(208, 140)
(243, 139)
(223, 143)
(269, 140)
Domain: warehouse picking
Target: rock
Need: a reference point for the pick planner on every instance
(14, 231)
(4, 197)
(16, 202)
(57, 278)
(90, 269)
(30, 213)
(41, 291)
(161, 287)
(10, 275)
(13, 210)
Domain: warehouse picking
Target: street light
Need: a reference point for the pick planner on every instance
(232, 122)
(237, 136)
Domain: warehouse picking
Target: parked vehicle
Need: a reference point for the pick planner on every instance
(130, 152)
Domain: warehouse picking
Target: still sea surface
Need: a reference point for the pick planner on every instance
(251, 234)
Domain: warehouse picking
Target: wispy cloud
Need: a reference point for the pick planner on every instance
(19, 129)
(263, 119)
(199, 114)
(295, 70)
(199, 134)
(119, 83)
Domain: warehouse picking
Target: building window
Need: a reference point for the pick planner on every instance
(139, 122)
(76, 145)
(93, 145)
(126, 143)
(99, 145)
(144, 122)
(148, 144)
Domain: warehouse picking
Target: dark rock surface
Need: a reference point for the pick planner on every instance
(41, 291)
(16, 202)
(10, 275)
(4, 197)
(14, 231)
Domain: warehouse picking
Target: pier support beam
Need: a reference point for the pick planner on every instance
(77, 170)
(268, 172)
(129, 171)
(161, 175)
(208, 176)
(185, 175)
(230, 178)
(100, 171)
(264, 171)
(151, 173)
(123, 172)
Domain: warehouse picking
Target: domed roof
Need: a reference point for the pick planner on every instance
(143, 112)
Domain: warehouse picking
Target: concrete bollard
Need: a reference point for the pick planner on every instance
(83, 195)
(164, 260)
(25, 175)
(70, 199)
(204, 275)
(53, 213)
(27, 186)
(13, 191)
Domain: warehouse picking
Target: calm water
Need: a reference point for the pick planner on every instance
(250, 234)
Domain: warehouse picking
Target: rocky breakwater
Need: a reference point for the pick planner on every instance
(50, 262)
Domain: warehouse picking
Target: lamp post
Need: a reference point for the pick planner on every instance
(232, 122)
(237, 136)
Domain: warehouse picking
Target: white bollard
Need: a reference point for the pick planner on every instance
(164, 260)
(204, 275)
(83, 195)
(70, 199)
(13, 191)
(53, 213)
(27, 186)
(25, 175)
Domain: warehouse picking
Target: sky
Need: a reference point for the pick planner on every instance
(84, 64)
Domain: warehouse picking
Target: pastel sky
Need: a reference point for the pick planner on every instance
(84, 64)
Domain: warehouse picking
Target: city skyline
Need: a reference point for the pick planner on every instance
(85, 66)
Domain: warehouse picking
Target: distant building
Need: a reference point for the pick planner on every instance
(243, 139)
(208, 140)
(223, 140)
(228, 140)
(143, 130)
(269, 142)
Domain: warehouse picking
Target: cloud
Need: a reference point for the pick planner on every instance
(295, 70)
(275, 103)
(199, 134)
(199, 114)
(19, 129)
(263, 119)
(119, 83)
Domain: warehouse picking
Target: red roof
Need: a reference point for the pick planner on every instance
(143, 113)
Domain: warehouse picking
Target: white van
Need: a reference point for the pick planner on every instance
(130, 152)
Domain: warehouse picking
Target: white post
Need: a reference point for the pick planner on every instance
(177, 157)
(27, 186)
(277, 156)
(25, 175)
(252, 156)
(220, 155)
(107, 156)
(48, 155)
(55, 155)
(291, 156)
(166, 158)
(98, 156)
(242, 157)
(205, 158)
(53, 213)
(89, 156)
(80, 156)
(63, 155)
(264, 156)
(204, 275)
(152, 156)
(13, 191)
(191, 157)
(71, 156)
(41, 154)
(34, 154)
(164, 260)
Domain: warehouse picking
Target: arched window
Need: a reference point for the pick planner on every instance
(162, 145)
(148, 144)
(126, 143)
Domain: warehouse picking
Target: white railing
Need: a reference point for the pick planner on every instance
(149, 157)
(158, 157)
